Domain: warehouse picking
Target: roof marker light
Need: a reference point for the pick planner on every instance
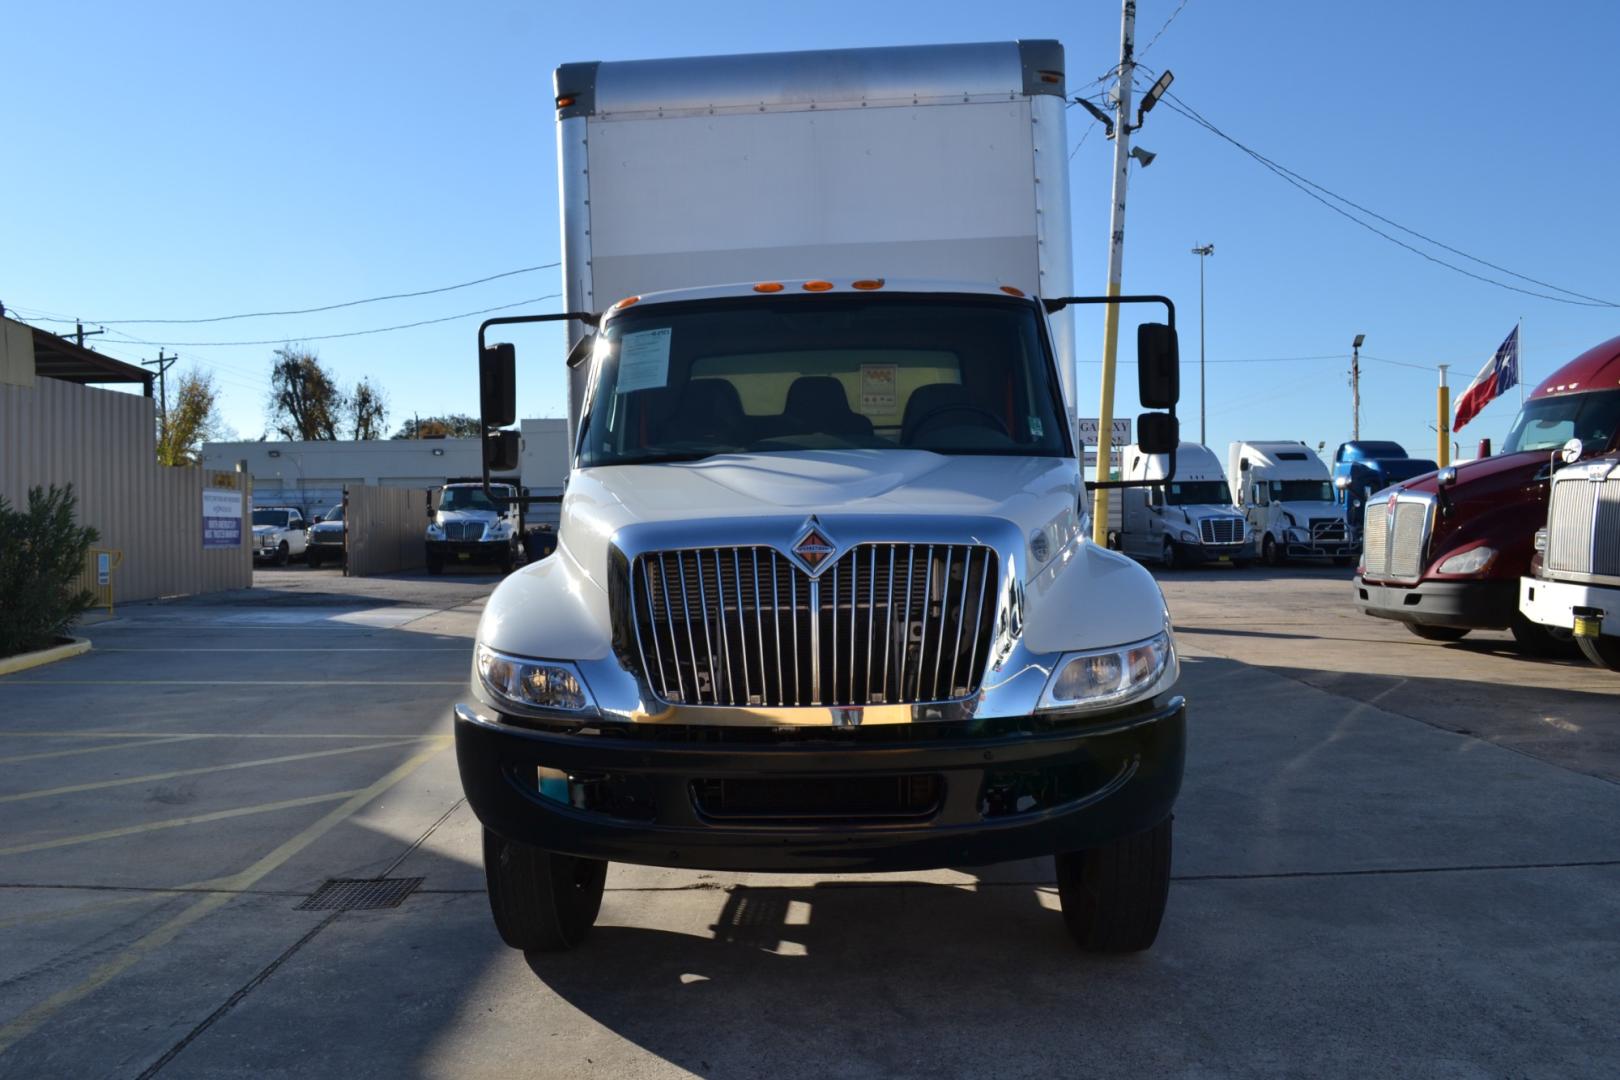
(565, 100)
(626, 302)
(868, 283)
(817, 286)
(768, 286)
(1012, 290)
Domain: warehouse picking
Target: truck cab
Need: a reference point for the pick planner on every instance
(1183, 521)
(1445, 553)
(1368, 465)
(1284, 491)
(470, 525)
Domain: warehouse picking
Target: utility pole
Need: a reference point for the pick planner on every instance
(1116, 261)
(163, 364)
(1203, 252)
(1355, 386)
(80, 333)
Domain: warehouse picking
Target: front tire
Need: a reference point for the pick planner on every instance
(1438, 633)
(1270, 554)
(283, 554)
(435, 565)
(542, 901)
(312, 560)
(1537, 640)
(1114, 896)
(1171, 557)
(1602, 651)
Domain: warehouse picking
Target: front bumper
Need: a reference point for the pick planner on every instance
(270, 551)
(1217, 553)
(471, 550)
(1321, 549)
(1109, 777)
(1553, 603)
(1478, 605)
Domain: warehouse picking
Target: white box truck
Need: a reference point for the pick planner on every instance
(1183, 521)
(823, 597)
(1287, 495)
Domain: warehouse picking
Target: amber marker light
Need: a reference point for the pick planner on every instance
(768, 286)
(1012, 290)
(867, 283)
(817, 286)
(565, 100)
(626, 302)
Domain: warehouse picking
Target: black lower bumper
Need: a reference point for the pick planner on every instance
(994, 799)
(1477, 605)
(471, 550)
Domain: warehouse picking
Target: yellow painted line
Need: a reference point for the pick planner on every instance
(173, 823)
(233, 682)
(22, 1025)
(40, 657)
(44, 793)
(94, 749)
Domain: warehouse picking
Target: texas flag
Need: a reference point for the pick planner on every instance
(1500, 373)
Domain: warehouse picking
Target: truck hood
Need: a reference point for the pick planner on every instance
(1201, 511)
(265, 530)
(1500, 501)
(1487, 476)
(1303, 512)
(445, 516)
(1031, 492)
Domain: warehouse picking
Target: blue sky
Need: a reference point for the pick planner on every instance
(186, 160)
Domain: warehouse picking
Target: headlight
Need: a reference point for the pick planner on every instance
(1471, 561)
(1541, 541)
(1106, 677)
(531, 685)
(1188, 537)
(435, 531)
(496, 530)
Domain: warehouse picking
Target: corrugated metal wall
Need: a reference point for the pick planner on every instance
(384, 529)
(103, 443)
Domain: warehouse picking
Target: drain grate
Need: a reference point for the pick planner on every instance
(360, 894)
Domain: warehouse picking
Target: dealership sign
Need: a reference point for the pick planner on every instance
(222, 518)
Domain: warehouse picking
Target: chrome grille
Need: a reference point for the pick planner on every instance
(1222, 530)
(1327, 530)
(464, 530)
(1583, 526)
(1395, 549)
(745, 626)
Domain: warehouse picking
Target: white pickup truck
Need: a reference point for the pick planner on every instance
(824, 597)
(278, 533)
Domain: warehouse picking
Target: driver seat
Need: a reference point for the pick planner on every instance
(818, 403)
(930, 399)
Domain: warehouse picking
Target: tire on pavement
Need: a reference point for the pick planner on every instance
(1547, 642)
(542, 901)
(1602, 651)
(1114, 896)
(1438, 633)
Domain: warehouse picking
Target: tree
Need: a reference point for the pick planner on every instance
(368, 410)
(305, 402)
(42, 554)
(191, 420)
(451, 426)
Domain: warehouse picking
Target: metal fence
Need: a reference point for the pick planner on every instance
(103, 443)
(384, 529)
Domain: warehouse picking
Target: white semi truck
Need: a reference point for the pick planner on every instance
(823, 597)
(1574, 580)
(1287, 495)
(1183, 521)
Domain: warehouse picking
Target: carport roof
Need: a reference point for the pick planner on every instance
(58, 358)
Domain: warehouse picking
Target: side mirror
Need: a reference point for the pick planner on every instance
(1158, 367)
(1157, 433)
(497, 385)
(501, 451)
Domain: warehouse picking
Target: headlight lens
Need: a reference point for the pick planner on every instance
(549, 685)
(496, 530)
(1105, 677)
(1188, 537)
(1471, 561)
(435, 530)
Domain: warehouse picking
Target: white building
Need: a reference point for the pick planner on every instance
(311, 475)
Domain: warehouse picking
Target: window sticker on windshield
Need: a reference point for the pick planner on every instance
(644, 361)
(1037, 430)
(878, 396)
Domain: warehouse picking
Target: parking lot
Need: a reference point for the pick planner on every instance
(1393, 857)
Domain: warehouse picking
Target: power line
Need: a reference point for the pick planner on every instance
(351, 333)
(1162, 29)
(1305, 185)
(327, 307)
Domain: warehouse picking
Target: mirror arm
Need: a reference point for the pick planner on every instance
(589, 318)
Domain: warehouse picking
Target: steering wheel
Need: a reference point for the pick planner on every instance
(960, 406)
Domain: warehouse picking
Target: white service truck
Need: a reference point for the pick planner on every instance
(1286, 493)
(278, 533)
(1185, 520)
(470, 524)
(1574, 580)
(824, 597)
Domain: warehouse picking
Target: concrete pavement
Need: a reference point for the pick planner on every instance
(1392, 858)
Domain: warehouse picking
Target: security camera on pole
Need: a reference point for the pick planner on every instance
(1119, 129)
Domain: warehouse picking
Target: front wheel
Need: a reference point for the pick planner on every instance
(542, 901)
(1114, 896)
(1438, 633)
(283, 554)
(312, 559)
(1602, 651)
(1172, 557)
(1270, 554)
(435, 565)
(1547, 642)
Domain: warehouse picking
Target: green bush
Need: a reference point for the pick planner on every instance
(42, 553)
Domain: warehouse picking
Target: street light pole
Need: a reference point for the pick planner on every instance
(1201, 251)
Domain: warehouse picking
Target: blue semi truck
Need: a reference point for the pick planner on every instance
(1368, 466)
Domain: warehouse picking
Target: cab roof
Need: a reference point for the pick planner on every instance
(1598, 368)
(833, 286)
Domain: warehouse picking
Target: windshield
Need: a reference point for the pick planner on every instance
(334, 514)
(1550, 422)
(277, 518)
(956, 375)
(471, 498)
(1302, 491)
(1197, 492)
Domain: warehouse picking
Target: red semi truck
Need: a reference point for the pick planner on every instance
(1443, 552)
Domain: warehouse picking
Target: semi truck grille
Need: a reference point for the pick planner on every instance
(464, 530)
(1394, 550)
(1583, 533)
(1221, 530)
(1327, 530)
(886, 624)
